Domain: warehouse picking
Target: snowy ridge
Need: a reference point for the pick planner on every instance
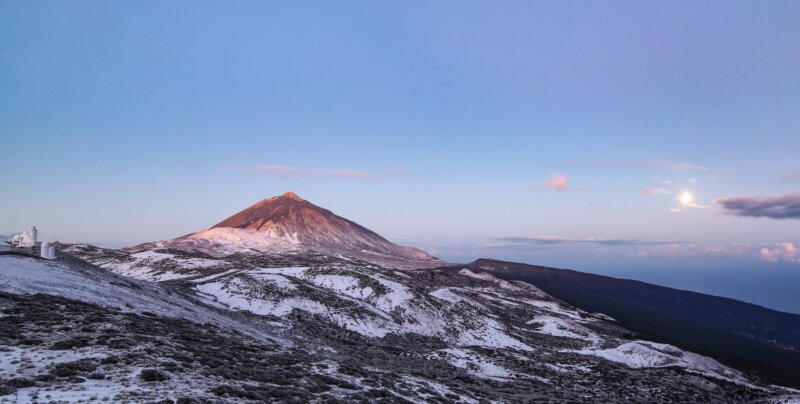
(220, 242)
(149, 265)
(646, 354)
(364, 302)
(514, 286)
(89, 284)
(560, 327)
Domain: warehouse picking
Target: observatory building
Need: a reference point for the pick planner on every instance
(28, 240)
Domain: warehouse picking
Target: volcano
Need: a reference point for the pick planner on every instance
(290, 223)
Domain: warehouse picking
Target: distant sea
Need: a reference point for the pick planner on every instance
(775, 285)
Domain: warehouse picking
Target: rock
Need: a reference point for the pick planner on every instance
(153, 375)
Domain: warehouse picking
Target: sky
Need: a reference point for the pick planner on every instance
(594, 135)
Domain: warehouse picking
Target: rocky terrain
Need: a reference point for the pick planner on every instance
(164, 324)
(287, 302)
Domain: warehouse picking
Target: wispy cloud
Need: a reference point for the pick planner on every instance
(775, 207)
(655, 191)
(298, 173)
(781, 252)
(792, 176)
(402, 172)
(721, 174)
(558, 182)
(668, 164)
(548, 240)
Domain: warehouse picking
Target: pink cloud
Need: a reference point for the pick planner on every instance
(655, 191)
(296, 172)
(781, 252)
(557, 182)
(786, 252)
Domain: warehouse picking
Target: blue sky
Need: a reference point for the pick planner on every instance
(438, 124)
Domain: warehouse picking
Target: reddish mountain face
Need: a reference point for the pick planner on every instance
(292, 219)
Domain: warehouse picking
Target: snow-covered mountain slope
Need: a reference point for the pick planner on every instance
(75, 279)
(289, 223)
(440, 325)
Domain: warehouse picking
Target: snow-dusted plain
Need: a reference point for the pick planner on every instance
(215, 327)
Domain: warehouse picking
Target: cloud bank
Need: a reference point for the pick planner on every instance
(554, 245)
(775, 207)
(549, 240)
(782, 252)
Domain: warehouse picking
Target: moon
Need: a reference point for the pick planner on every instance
(686, 197)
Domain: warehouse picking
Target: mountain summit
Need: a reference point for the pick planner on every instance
(288, 223)
(293, 219)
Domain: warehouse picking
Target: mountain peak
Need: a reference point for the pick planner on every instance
(291, 195)
(292, 221)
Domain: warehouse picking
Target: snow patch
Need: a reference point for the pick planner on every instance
(286, 271)
(449, 295)
(224, 294)
(278, 280)
(473, 363)
(646, 354)
(346, 285)
(487, 277)
(152, 255)
(490, 335)
(559, 327)
(553, 307)
(214, 276)
(397, 296)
